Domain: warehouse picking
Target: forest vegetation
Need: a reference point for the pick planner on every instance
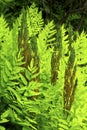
(43, 65)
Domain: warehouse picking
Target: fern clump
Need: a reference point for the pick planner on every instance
(21, 94)
(42, 75)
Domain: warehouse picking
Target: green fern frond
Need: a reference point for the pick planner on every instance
(80, 48)
(34, 20)
(2, 128)
(45, 39)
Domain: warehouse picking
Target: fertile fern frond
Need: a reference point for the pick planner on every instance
(31, 25)
(60, 55)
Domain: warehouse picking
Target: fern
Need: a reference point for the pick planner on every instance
(29, 97)
(11, 69)
(35, 21)
(16, 91)
(45, 39)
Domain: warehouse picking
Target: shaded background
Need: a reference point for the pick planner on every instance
(72, 12)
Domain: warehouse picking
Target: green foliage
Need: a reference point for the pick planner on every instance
(18, 93)
(45, 39)
(28, 102)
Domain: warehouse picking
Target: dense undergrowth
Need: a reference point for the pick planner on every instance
(43, 75)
